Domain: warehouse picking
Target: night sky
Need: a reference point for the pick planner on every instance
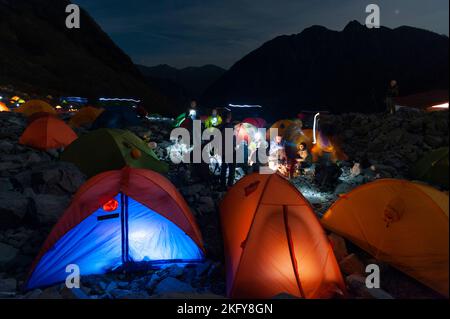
(197, 32)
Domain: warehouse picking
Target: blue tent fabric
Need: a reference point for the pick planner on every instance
(117, 117)
(96, 245)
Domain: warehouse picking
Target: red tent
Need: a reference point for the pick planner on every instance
(47, 132)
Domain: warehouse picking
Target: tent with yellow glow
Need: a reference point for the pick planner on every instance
(398, 222)
(281, 125)
(4, 108)
(274, 243)
(318, 144)
(35, 106)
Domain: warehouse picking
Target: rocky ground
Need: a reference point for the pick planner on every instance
(35, 189)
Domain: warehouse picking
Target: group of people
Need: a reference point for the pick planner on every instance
(289, 163)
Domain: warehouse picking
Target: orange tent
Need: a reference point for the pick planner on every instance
(35, 106)
(85, 116)
(38, 115)
(402, 223)
(4, 108)
(281, 125)
(47, 132)
(274, 243)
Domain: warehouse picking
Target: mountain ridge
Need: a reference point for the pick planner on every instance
(319, 68)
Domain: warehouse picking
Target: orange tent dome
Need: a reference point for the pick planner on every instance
(47, 132)
(4, 108)
(401, 223)
(281, 125)
(35, 106)
(274, 243)
(86, 115)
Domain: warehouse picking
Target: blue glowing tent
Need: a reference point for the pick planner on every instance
(117, 218)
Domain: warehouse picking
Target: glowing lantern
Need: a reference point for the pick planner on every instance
(111, 205)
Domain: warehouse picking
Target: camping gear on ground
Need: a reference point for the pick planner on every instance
(119, 218)
(274, 243)
(398, 222)
(85, 116)
(119, 117)
(255, 121)
(433, 168)
(110, 149)
(35, 106)
(48, 132)
(4, 108)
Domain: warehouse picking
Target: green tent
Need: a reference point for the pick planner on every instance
(180, 119)
(433, 168)
(111, 149)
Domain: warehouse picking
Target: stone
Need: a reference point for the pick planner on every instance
(74, 293)
(357, 286)
(33, 294)
(8, 287)
(50, 207)
(13, 208)
(206, 205)
(175, 271)
(6, 147)
(169, 285)
(352, 265)
(50, 293)
(7, 255)
(433, 141)
(339, 246)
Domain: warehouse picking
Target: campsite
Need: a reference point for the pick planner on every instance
(246, 192)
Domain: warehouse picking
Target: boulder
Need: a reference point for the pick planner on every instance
(49, 207)
(357, 286)
(170, 285)
(7, 255)
(8, 287)
(339, 247)
(352, 265)
(13, 208)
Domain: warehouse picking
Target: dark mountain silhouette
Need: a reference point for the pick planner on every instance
(193, 80)
(338, 71)
(38, 53)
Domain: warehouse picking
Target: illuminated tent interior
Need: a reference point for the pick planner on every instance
(111, 149)
(119, 218)
(47, 132)
(274, 243)
(398, 222)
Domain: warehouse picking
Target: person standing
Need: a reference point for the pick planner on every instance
(227, 166)
(391, 94)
